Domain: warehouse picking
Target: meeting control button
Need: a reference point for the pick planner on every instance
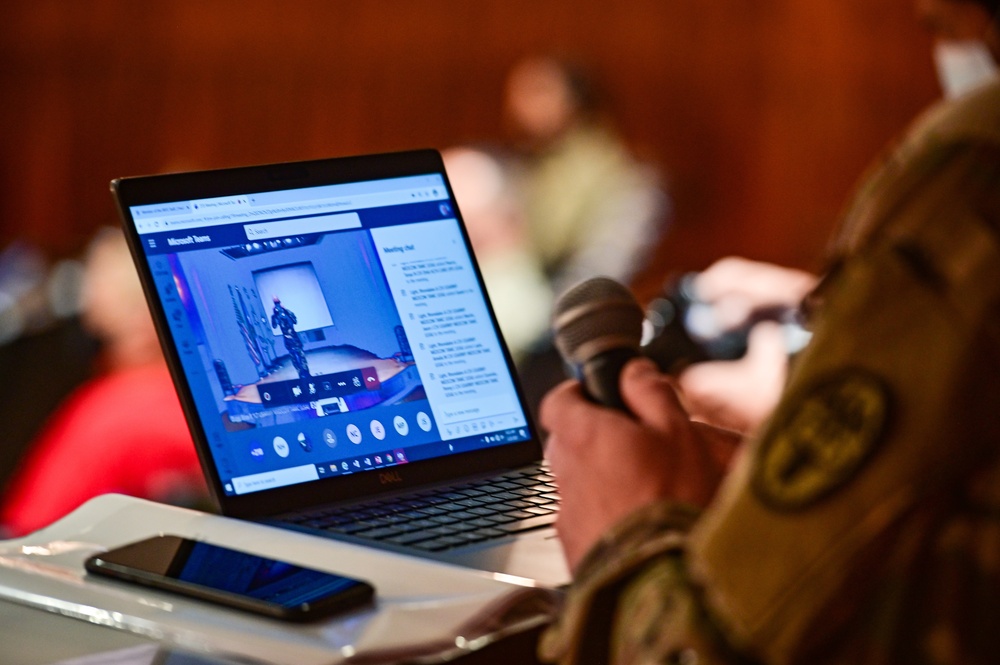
(354, 434)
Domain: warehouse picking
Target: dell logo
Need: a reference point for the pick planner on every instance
(389, 477)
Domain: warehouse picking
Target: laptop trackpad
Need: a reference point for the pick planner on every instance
(536, 555)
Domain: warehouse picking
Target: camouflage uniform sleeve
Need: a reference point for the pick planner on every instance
(887, 416)
(632, 601)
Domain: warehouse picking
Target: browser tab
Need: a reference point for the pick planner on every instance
(223, 203)
(162, 209)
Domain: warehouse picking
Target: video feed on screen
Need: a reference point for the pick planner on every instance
(295, 328)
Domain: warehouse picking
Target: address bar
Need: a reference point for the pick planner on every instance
(357, 201)
(275, 211)
(302, 226)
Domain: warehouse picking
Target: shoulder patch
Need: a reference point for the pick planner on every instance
(819, 441)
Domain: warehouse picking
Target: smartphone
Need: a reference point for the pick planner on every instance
(236, 579)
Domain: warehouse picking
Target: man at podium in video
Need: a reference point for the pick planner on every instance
(284, 319)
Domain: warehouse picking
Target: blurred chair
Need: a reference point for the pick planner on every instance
(44, 351)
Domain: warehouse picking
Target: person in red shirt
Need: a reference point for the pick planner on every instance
(123, 431)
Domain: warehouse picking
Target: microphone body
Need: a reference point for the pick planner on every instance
(598, 328)
(600, 377)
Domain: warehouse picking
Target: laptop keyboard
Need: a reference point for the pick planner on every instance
(448, 517)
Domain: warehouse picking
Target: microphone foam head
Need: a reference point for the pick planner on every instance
(596, 316)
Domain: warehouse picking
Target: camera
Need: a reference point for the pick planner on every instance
(681, 329)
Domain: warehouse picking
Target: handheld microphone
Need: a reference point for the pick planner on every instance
(598, 328)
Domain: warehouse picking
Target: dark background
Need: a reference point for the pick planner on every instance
(762, 113)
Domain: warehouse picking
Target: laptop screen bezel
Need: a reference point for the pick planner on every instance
(167, 188)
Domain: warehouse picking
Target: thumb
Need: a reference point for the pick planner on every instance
(766, 345)
(650, 395)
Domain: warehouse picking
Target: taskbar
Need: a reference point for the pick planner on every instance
(345, 466)
(396, 456)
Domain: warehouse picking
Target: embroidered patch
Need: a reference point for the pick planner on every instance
(821, 441)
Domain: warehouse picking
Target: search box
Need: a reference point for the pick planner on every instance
(295, 227)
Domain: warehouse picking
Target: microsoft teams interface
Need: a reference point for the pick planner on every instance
(330, 330)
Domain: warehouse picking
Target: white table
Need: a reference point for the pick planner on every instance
(423, 608)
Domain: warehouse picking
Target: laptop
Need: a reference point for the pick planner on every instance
(338, 361)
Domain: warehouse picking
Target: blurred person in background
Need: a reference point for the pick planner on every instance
(488, 194)
(860, 524)
(592, 209)
(123, 431)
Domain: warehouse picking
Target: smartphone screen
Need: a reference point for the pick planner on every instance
(232, 578)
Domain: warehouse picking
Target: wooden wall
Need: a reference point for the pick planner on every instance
(763, 112)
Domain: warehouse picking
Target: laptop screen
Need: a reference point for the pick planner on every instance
(331, 330)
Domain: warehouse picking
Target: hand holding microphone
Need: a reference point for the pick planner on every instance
(609, 463)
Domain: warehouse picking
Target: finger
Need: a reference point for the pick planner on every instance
(766, 344)
(651, 396)
(556, 402)
(560, 460)
(566, 411)
(561, 408)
